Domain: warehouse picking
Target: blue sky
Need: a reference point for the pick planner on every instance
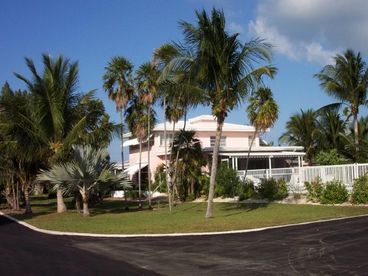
(306, 34)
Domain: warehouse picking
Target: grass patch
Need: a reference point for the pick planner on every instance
(110, 217)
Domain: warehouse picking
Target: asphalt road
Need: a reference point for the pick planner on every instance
(329, 248)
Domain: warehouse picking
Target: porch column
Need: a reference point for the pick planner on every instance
(236, 163)
(270, 166)
(232, 163)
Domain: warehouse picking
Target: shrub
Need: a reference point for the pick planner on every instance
(160, 179)
(330, 157)
(314, 189)
(227, 181)
(246, 189)
(272, 189)
(360, 190)
(334, 192)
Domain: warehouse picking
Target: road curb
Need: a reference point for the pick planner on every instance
(60, 233)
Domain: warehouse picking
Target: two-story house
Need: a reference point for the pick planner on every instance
(235, 142)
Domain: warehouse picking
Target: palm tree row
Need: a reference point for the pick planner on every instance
(39, 126)
(210, 66)
(327, 128)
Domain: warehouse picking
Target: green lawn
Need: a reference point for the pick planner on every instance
(110, 217)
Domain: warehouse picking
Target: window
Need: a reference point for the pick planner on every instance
(222, 141)
(168, 140)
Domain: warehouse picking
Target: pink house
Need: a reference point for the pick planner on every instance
(234, 147)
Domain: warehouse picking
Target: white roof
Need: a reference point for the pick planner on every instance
(260, 148)
(131, 142)
(263, 154)
(204, 123)
(131, 170)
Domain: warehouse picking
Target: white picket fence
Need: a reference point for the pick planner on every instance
(297, 176)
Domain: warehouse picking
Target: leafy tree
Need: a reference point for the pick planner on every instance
(118, 83)
(223, 68)
(347, 80)
(87, 169)
(22, 153)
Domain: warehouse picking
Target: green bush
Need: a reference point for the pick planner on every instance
(360, 190)
(246, 189)
(314, 189)
(272, 189)
(227, 181)
(334, 192)
(160, 179)
(331, 157)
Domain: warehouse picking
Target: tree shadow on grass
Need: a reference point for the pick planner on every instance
(248, 207)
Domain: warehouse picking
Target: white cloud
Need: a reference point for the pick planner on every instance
(236, 28)
(313, 30)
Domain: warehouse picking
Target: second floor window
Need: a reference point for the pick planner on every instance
(222, 141)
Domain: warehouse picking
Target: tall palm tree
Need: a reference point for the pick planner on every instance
(162, 57)
(87, 169)
(347, 80)
(118, 83)
(263, 112)
(147, 78)
(137, 121)
(223, 68)
(301, 130)
(54, 100)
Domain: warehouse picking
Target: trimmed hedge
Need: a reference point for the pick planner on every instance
(334, 192)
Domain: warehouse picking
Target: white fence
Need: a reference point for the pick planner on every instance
(297, 176)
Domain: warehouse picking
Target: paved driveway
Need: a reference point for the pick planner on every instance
(339, 247)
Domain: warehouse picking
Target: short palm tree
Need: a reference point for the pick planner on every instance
(190, 158)
(87, 169)
(263, 112)
(301, 130)
(118, 83)
(223, 68)
(347, 80)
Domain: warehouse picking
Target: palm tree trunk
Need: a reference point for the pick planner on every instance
(185, 119)
(17, 191)
(149, 157)
(249, 150)
(14, 195)
(356, 131)
(209, 213)
(140, 174)
(166, 168)
(61, 208)
(171, 196)
(122, 139)
(84, 194)
(26, 199)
